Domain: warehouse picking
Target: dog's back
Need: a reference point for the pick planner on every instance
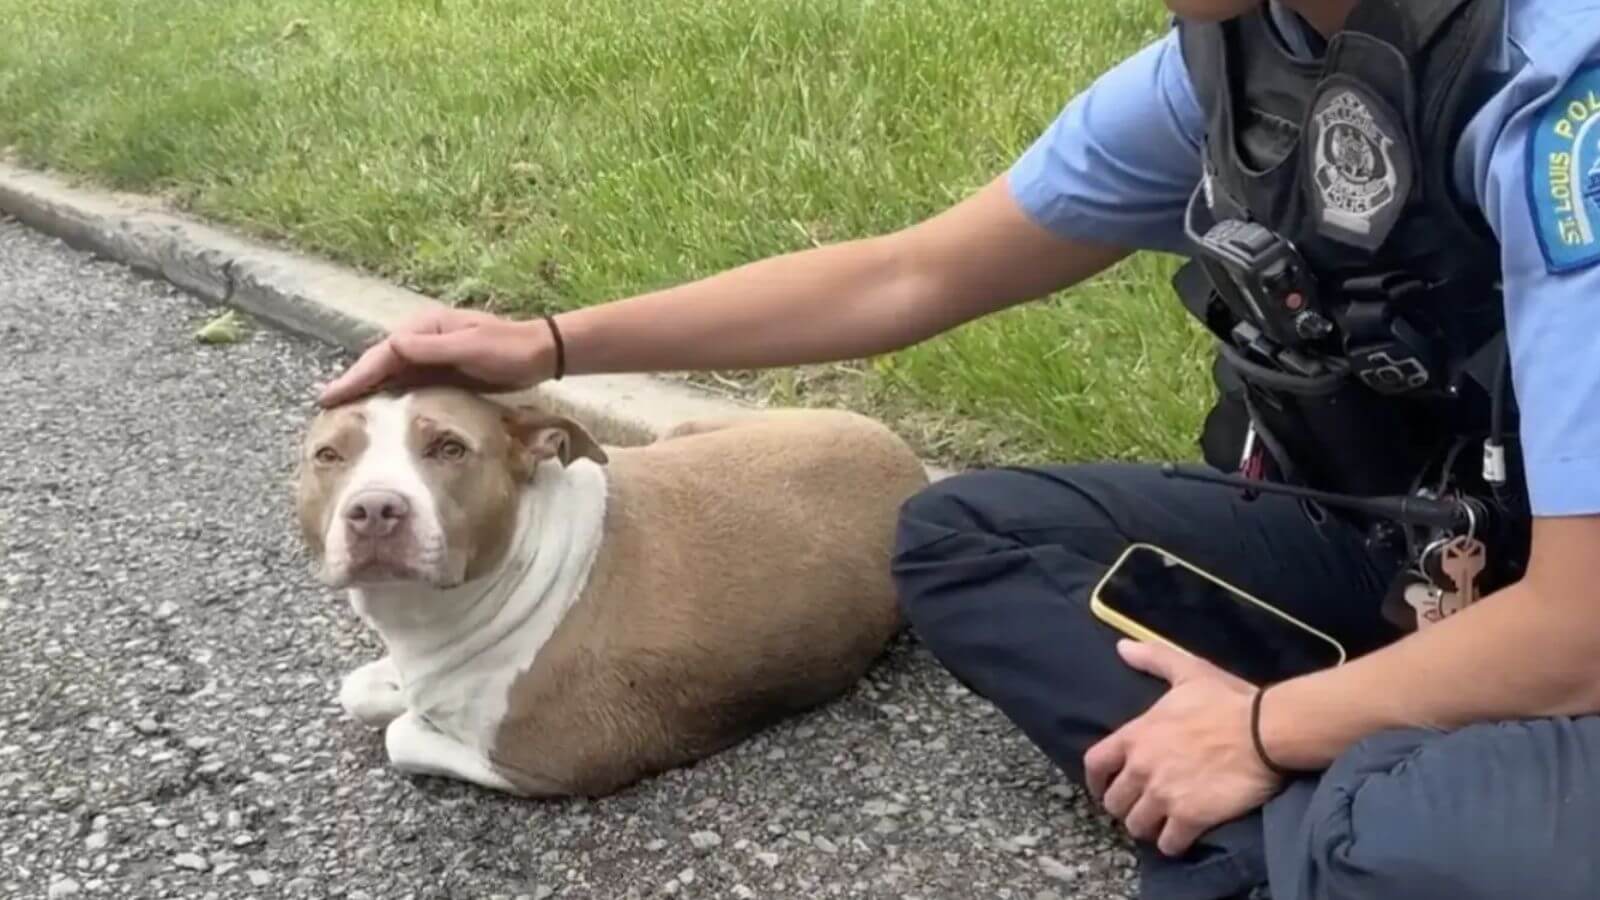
(744, 577)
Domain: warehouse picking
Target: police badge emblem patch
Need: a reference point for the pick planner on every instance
(1360, 165)
(1564, 174)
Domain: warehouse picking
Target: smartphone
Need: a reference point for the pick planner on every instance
(1151, 594)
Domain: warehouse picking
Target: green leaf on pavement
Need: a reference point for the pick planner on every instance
(224, 329)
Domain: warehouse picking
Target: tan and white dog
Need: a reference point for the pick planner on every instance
(562, 619)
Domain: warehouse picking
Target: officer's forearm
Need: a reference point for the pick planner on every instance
(1522, 652)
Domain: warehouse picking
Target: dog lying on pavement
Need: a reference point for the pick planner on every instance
(565, 619)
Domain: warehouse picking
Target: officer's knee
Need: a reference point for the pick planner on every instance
(987, 503)
(934, 521)
(934, 526)
(932, 513)
(960, 533)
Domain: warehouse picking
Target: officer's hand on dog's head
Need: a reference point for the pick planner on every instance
(469, 349)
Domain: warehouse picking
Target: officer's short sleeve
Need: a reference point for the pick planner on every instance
(1540, 190)
(1119, 163)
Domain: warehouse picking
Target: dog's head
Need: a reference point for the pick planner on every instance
(423, 487)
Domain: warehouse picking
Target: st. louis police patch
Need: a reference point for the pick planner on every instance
(1564, 174)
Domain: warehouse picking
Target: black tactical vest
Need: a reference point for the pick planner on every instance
(1368, 345)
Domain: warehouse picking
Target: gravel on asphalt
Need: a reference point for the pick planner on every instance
(168, 723)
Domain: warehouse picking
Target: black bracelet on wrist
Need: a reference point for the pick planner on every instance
(561, 350)
(1255, 736)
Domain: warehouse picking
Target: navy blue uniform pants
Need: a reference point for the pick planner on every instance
(995, 568)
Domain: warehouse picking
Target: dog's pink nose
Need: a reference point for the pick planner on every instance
(376, 513)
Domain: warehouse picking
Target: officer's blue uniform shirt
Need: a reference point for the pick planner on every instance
(1120, 162)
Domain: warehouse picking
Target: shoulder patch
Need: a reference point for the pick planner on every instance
(1564, 174)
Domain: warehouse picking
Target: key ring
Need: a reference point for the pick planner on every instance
(1472, 522)
(1437, 546)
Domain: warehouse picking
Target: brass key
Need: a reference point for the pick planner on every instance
(1462, 561)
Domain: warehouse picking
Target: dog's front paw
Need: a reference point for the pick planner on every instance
(372, 693)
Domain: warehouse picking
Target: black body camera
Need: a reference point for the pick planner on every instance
(1265, 281)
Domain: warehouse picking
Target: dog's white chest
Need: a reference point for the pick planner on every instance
(470, 702)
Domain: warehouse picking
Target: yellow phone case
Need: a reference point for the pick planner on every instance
(1140, 632)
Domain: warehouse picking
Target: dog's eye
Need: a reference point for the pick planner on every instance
(328, 456)
(450, 449)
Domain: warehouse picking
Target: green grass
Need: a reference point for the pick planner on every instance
(536, 156)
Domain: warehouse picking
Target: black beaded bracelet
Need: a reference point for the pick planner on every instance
(561, 350)
(1255, 735)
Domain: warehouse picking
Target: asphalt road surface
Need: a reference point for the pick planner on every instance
(168, 671)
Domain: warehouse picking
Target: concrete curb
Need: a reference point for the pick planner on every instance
(313, 297)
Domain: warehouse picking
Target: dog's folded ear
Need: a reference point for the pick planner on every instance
(540, 435)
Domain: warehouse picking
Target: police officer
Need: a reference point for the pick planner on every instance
(1390, 208)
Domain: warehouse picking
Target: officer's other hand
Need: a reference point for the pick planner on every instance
(470, 349)
(1188, 764)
